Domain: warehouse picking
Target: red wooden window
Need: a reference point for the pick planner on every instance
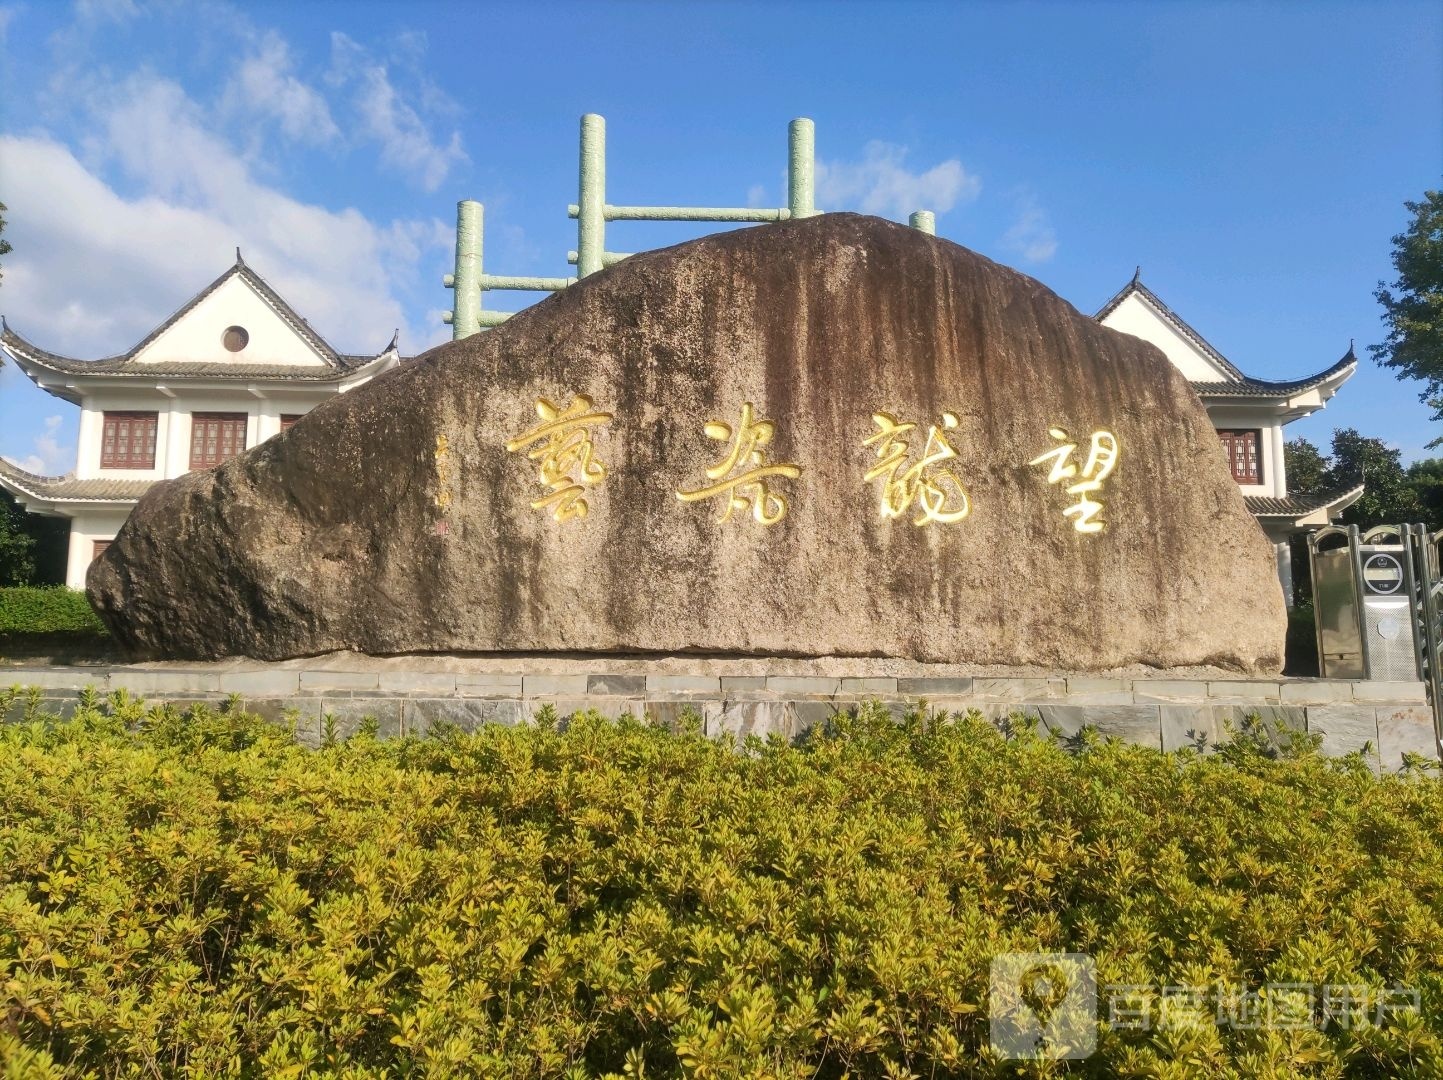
(288, 420)
(127, 440)
(216, 437)
(98, 548)
(1241, 448)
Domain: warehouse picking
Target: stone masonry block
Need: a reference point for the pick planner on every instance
(58, 678)
(321, 681)
(807, 715)
(1185, 726)
(612, 708)
(761, 718)
(348, 714)
(1138, 724)
(1390, 693)
(1316, 692)
(1169, 691)
(1086, 684)
(1244, 692)
(554, 685)
(1276, 721)
(485, 684)
(869, 687)
(159, 684)
(669, 713)
(1026, 690)
(1345, 728)
(261, 683)
(440, 683)
(929, 688)
(422, 714)
(1405, 729)
(743, 684)
(615, 685)
(683, 684)
(803, 684)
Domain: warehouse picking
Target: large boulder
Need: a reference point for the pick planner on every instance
(704, 450)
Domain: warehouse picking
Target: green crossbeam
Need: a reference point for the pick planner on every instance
(469, 281)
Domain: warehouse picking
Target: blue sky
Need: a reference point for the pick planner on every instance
(1252, 158)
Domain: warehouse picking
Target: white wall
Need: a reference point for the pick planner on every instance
(88, 526)
(1134, 316)
(173, 424)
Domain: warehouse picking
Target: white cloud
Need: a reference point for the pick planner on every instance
(757, 195)
(1031, 235)
(49, 457)
(265, 84)
(882, 184)
(93, 270)
(406, 143)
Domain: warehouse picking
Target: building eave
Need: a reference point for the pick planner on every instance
(1297, 513)
(41, 367)
(333, 366)
(41, 493)
(1295, 398)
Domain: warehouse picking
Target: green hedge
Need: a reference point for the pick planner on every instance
(51, 610)
(196, 895)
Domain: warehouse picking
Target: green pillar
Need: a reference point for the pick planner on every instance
(466, 281)
(923, 221)
(801, 171)
(591, 206)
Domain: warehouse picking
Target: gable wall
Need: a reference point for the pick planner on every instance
(197, 336)
(1134, 316)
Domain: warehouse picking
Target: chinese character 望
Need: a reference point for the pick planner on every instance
(1101, 460)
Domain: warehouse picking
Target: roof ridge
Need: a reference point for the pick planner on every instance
(1136, 287)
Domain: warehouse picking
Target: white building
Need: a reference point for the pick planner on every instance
(1249, 414)
(230, 369)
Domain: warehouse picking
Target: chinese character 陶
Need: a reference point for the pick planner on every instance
(1101, 460)
(565, 453)
(932, 494)
(742, 475)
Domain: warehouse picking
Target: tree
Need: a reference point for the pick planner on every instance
(1388, 498)
(4, 244)
(1413, 304)
(1426, 478)
(17, 545)
(1307, 468)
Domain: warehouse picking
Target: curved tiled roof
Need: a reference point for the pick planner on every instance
(1238, 385)
(1250, 387)
(337, 365)
(67, 488)
(1296, 506)
(345, 365)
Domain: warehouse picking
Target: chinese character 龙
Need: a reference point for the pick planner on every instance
(932, 494)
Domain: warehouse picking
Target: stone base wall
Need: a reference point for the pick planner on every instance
(1382, 719)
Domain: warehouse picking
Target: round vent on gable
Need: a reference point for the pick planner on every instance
(235, 338)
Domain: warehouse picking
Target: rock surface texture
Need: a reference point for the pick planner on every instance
(713, 495)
